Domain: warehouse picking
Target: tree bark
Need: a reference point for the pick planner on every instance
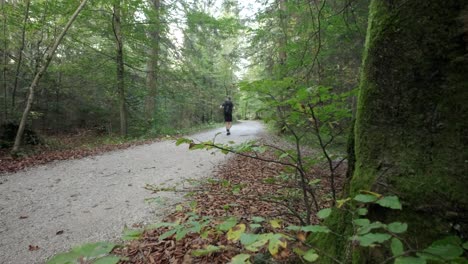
(411, 125)
(117, 27)
(46, 61)
(152, 64)
(5, 63)
(20, 56)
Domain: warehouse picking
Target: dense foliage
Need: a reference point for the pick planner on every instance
(177, 59)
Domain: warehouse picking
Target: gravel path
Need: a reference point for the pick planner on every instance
(63, 204)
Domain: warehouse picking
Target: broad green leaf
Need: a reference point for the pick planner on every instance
(294, 228)
(397, 247)
(93, 250)
(253, 226)
(247, 239)
(371, 238)
(390, 202)
(107, 260)
(311, 255)
(324, 213)
(228, 224)
(276, 243)
(465, 245)
(365, 198)
(275, 223)
(409, 260)
(258, 219)
(131, 234)
(366, 229)
(362, 211)
(206, 251)
(182, 141)
(179, 208)
(261, 241)
(299, 251)
(235, 232)
(167, 234)
(64, 258)
(181, 233)
(454, 240)
(241, 259)
(315, 229)
(447, 251)
(361, 222)
(397, 227)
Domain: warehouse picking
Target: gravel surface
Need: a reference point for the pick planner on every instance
(68, 203)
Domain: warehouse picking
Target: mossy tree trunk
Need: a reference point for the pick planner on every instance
(411, 125)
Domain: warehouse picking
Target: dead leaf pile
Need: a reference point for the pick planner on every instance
(240, 189)
(9, 164)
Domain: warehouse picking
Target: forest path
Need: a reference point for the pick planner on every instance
(67, 203)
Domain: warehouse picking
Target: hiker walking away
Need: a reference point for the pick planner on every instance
(228, 106)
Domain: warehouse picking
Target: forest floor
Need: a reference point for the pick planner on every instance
(239, 189)
(49, 208)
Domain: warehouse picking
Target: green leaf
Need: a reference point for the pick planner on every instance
(275, 223)
(247, 239)
(64, 258)
(465, 245)
(131, 234)
(206, 251)
(258, 219)
(311, 255)
(179, 208)
(315, 229)
(366, 229)
(365, 198)
(228, 224)
(340, 203)
(362, 211)
(397, 247)
(409, 260)
(390, 202)
(253, 226)
(371, 238)
(167, 234)
(361, 222)
(276, 243)
(324, 213)
(447, 252)
(93, 250)
(293, 228)
(241, 259)
(183, 140)
(397, 227)
(181, 234)
(107, 260)
(235, 233)
(261, 241)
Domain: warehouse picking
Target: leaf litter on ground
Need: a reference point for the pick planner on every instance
(236, 196)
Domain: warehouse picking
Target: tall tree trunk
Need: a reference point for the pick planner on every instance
(46, 61)
(20, 56)
(283, 38)
(5, 63)
(152, 64)
(117, 27)
(411, 125)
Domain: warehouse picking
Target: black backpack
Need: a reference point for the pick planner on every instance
(227, 107)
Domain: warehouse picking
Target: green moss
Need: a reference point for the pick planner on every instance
(411, 126)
